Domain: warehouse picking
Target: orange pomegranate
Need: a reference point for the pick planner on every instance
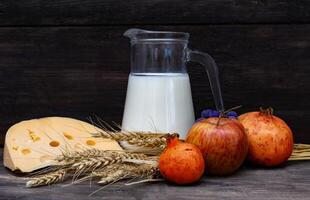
(270, 138)
(181, 163)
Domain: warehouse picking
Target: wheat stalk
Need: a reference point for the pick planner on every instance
(301, 152)
(301, 147)
(133, 141)
(91, 164)
(88, 164)
(139, 142)
(139, 139)
(83, 162)
(146, 171)
(148, 142)
(119, 171)
(76, 156)
(114, 177)
(69, 157)
(128, 135)
(129, 170)
(48, 179)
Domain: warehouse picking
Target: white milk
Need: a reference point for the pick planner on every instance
(159, 102)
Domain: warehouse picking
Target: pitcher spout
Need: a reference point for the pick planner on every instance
(131, 33)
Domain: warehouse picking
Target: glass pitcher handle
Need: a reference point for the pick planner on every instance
(211, 68)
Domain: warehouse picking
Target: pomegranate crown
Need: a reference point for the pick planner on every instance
(268, 111)
(172, 139)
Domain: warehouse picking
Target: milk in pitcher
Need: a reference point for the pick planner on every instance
(159, 102)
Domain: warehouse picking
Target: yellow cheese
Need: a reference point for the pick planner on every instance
(34, 144)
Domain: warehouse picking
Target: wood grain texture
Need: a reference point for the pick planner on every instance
(289, 182)
(103, 12)
(82, 71)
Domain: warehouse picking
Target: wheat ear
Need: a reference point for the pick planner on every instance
(69, 157)
(110, 157)
(48, 179)
(91, 164)
(128, 135)
(113, 177)
(140, 139)
(128, 170)
(149, 142)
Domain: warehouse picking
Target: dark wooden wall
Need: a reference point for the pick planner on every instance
(69, 58)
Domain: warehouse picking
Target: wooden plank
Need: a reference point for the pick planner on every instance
(133, 12)
(82, 71)
(284, 183)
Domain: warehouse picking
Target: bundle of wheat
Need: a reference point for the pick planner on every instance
(139, 161)
(301, 152)
(109, 166)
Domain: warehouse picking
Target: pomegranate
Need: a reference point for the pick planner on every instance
(181, 162)
(270, 138)
(223, 143)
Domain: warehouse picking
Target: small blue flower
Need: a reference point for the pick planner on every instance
(214, 113)
(206, 113)
(232, 114)
(200, 119)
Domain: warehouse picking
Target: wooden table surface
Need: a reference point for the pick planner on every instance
(288, 182)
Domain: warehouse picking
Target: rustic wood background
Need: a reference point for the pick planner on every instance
(69, 58)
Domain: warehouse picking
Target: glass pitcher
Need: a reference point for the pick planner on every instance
(159, 95)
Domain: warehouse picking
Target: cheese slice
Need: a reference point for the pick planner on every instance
(34, 144)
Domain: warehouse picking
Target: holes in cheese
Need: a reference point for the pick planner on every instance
(26, 151)
(54, 143)
(15, 148)
(90, 142)
(68, 136)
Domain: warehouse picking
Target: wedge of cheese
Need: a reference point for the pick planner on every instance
(34, 144)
